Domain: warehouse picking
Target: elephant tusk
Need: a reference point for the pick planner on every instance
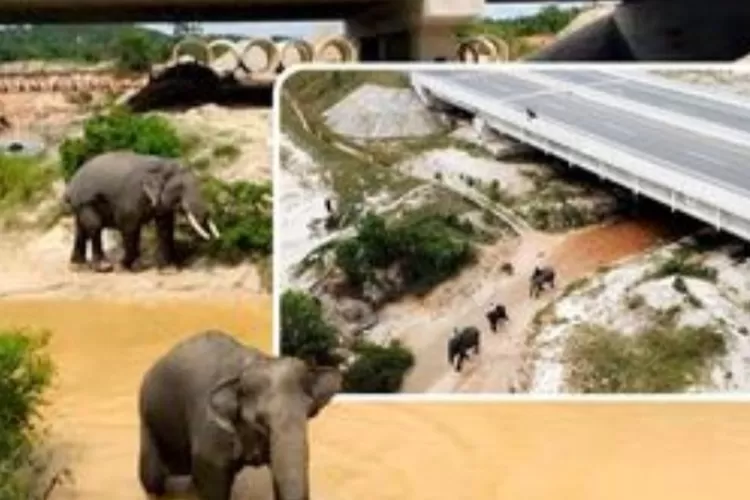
(197, 227)
(214, 230)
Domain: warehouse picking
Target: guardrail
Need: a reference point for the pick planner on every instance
(720, 205)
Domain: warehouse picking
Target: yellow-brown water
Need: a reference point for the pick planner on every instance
(101, 350)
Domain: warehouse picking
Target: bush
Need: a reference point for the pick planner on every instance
(243, 212)
(25, 373)
(22, 180)
(304, 332)
(428, 248)
(119, 129)
(681, 265)
(661, 359)
(378, 369)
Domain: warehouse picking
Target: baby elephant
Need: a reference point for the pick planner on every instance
(541, 277)
(211, 406)
(461, 343)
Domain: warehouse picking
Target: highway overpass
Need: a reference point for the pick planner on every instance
(405, 30)
(679, 144)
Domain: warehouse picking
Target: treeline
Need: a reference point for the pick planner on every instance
(89, 43)
(548, 20)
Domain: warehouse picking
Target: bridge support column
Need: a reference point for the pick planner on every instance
(416, 30)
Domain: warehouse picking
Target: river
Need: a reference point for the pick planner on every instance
(101, 350)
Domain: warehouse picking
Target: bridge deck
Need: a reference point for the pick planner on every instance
(704, 157)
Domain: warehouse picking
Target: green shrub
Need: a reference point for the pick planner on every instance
(304, 332)
(243, 212)
(119, 129)
(22, 180)
(661, 359)
(378, 369)
(682, 265)
(428, 248)
(25, 373)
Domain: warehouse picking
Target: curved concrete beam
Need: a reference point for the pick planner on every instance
(273, 57)
(502, 48)
(190, 42)
(304, 51)
(343, 45)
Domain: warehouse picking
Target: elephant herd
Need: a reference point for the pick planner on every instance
(123, 190)
(466, 340)
(212, 406)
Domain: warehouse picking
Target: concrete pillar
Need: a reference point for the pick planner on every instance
(412, 30)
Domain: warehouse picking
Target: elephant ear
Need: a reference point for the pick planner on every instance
(156, 178)
(321, 384)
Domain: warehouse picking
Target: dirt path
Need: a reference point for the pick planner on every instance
(504, 360)
(101, 349)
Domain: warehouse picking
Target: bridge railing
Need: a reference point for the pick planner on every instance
(724, 206)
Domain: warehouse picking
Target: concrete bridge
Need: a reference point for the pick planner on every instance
(404, 30)
(685, 146)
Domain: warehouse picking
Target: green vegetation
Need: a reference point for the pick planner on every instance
(681, 264)
(244, 212)
(547, 21)
(661, 359)
(304, 332)
(119, 129)
(23, 180)
(306, 335)
(378, 369)
(25, 373)
(427, 249)
(85, 43)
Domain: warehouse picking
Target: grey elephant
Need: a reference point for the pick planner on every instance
(211, 406)
(460, 343)
(124, 190)
(540, 278)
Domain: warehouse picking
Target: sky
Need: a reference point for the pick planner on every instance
(307, 29)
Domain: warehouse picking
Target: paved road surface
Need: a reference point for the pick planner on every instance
(706, 106)
(702, 156)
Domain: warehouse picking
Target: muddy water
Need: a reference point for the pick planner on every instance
(101, 350)
(531, 451)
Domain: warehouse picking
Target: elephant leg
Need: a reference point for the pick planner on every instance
(212, 481)
(476, 349)
(131, 240)
(78, 255)
(100, 262)
(152, 472)
(460, 363)
(165, 235)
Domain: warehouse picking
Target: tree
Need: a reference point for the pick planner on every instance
(134, 52)
(304, 332)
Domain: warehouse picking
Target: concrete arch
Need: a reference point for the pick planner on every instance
(502, 48)
(304, 51)
(344, 46)
(477, 47)
(222, 43)
(191, 42)
(273, 57)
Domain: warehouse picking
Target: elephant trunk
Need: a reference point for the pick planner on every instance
(289, 459)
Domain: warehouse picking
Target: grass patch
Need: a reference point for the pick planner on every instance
(23, 181)
(661, 359)
(682, 264)
(229, 152)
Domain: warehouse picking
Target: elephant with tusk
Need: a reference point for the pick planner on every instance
(124, 190)
(212, 406)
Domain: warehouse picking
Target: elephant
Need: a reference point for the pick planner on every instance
(212, 406)
(541, 277)
(496, 314)
(124, 190)
(460, 343)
